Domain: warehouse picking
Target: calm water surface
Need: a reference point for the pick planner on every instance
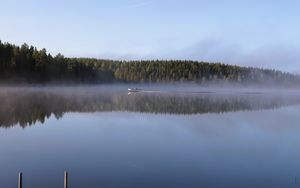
(107, 138)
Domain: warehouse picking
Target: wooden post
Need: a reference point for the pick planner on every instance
(20, 184)
(66, 180)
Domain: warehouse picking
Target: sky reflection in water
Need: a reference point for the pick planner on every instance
(104, 141)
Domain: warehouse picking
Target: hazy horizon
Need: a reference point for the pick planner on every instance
(246, 33)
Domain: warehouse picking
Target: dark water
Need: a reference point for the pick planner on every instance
(107, 138)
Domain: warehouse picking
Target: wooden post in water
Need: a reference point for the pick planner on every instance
(20, 184)
(66, 180)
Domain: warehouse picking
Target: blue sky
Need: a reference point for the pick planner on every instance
(263, 33)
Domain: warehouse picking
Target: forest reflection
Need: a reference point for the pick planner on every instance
(26, 107)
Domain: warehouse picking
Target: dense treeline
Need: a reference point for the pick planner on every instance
(28, 64)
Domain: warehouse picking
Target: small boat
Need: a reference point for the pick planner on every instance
(134, 90)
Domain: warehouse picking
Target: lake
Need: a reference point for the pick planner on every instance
(163, 137)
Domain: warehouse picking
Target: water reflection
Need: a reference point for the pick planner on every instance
(28, 106)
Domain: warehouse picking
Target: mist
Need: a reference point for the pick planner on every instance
(24, 106)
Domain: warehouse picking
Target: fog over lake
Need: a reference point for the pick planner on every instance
(165, 136)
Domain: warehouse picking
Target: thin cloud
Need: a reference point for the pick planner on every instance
(283, 57)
